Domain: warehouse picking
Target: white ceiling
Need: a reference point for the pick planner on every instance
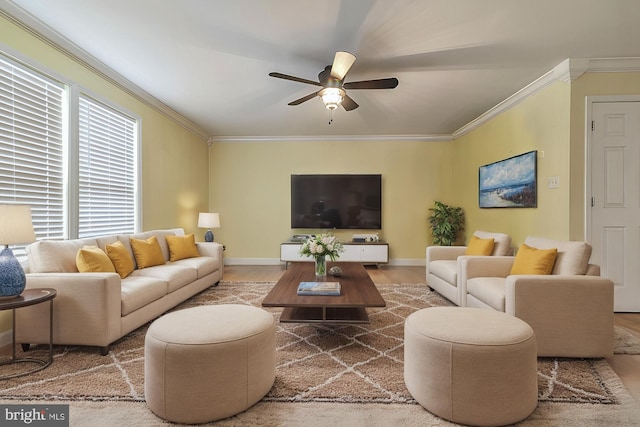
(455, 59)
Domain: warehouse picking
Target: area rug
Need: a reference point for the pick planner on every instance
(624, 342)
(316, 365)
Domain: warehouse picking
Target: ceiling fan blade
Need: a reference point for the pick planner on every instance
(389, 83)
(348, 103)
(342, 62)
(295, 79)
(303, 99)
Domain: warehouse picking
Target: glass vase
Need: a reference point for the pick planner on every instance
(321, 266)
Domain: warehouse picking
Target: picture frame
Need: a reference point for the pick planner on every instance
(509, 183)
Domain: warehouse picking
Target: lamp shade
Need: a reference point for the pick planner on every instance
(15, 225)
(15, 228)
(208, 220)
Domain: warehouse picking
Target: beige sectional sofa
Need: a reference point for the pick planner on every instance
(570, 310)
(97, 308)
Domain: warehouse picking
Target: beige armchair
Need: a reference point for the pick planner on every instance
(442, 265)
(570, 310)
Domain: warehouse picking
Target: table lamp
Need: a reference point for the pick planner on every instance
(208, 220)
(15, 228)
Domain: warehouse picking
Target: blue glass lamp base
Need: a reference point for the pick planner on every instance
(208, 236)
(12, 277)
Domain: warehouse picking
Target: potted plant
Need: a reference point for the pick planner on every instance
(446, 222)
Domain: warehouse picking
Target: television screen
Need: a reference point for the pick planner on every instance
(336, 201)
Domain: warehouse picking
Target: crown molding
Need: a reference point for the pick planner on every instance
(613, 65)
(567, 71)
(47, 35)
(328, 138)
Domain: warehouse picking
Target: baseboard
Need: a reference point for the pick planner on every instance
(400, 262)
(252, 261)
(408, 262)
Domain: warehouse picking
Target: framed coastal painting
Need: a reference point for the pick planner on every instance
(509, 183)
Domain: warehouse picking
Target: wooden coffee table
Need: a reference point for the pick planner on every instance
(357, 293)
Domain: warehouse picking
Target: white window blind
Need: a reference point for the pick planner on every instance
(31, 146)
(107, 192)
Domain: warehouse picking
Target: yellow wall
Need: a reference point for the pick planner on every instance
(590, 84)
(174, 160)
(250, 187)
(540, 122)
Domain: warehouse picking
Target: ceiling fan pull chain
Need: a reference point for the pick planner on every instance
(330, 116)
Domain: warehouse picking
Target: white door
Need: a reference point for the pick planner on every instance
(615, 190)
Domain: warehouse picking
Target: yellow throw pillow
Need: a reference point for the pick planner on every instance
(120, 257)
(147, 252)
(181, 247)
(534, 261)
(478, 246)
(92, 259)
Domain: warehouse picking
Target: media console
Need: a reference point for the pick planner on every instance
(363, 252)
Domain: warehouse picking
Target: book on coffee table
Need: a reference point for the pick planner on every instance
(319, 288)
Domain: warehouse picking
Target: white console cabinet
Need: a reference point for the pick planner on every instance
(366, 253)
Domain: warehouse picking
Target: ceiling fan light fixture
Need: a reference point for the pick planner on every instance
(332, 97)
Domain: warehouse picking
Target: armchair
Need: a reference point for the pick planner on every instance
(570, 310)
(442, 267)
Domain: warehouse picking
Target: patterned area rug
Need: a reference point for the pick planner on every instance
(346, 364)
(349, 364)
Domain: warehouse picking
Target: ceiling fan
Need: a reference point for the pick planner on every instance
(331, 79)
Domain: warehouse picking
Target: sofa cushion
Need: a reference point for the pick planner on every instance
(478, 246)
(203, 265)
(533, 260)
(501, 242)
(445, 269)
(160, 236)
(138, 291)
(121, 258)
(489, 290)
(572, 258)
(92, 259)
(55, 256)
(181, 247)
(147, 252)
(176, 276)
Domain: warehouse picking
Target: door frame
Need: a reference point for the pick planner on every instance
(589, 101)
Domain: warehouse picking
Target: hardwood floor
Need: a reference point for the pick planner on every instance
(626, 366)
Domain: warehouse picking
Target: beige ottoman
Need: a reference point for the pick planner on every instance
(206, 363)
(470, 365)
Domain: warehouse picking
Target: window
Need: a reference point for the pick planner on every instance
(107, 170)
(79, 184)
(32, 137)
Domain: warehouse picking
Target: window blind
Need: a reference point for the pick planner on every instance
(31, 146)
(107, 191)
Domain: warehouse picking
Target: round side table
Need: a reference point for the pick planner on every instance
(29, 297)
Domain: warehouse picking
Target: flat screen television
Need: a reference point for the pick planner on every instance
(336, 201)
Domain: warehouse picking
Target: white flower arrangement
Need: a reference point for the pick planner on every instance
(322, 245)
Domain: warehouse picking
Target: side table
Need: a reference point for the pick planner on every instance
(29, 297)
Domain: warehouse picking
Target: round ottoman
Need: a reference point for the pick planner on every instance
(206, 363)
(470, 365)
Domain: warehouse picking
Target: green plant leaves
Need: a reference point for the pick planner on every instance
(446, 222)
